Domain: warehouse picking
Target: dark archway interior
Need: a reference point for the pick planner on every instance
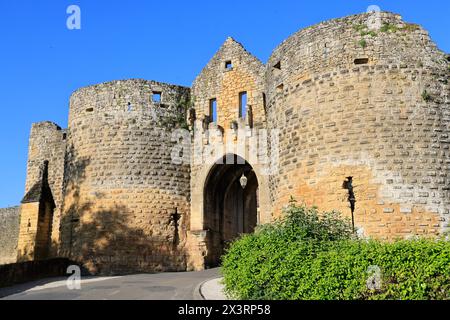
(229, 209)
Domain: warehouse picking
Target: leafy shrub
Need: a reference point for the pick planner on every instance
(363, 43)
(312, 257)
(301, 222)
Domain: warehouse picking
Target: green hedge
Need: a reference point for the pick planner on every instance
(310, 258)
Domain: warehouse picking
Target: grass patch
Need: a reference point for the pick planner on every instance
(409, 27)
(426, 96)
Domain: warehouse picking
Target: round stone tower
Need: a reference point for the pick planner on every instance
(126, 202)
(363, 99)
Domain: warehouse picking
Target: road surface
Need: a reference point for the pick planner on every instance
(158, 286)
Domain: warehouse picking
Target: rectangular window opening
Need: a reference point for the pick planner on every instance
(242, 104)
(156, 96)
(213, 110)
(228, 65)
(264, 102)
(361, 61)
(280, 88)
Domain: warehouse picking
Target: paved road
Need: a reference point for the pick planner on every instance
(158, 286)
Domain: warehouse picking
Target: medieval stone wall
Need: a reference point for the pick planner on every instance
(368, 105)
(47, 143)
(246, 74)
(122, 187)
(348, 98)
(9, 233)
(231, 71)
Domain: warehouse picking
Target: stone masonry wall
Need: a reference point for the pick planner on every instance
(9, 233)
(217, 139)
(215, 81)
(47, 142)
(349, 98)
(371, 106)
(121, 186)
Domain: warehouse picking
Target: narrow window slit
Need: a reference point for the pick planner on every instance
(360, 61)
(242, 104)
(213, 110)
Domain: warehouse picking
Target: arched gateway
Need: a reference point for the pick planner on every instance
(304, 122)
(231, 205)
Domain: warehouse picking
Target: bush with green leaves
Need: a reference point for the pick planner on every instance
(311, 256)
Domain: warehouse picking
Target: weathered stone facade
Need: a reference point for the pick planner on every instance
(9, 234)
(121, 187)
(344, 99)
(47, 143)
(370, 121)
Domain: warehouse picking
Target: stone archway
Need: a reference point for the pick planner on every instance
(198, 238)
(229, 209)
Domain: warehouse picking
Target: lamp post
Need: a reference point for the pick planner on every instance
(175, 218)
(351, 198)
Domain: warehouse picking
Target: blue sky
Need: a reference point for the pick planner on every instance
(42, 62)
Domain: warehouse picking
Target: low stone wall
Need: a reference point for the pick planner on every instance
(9, 233)
(16, 273)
